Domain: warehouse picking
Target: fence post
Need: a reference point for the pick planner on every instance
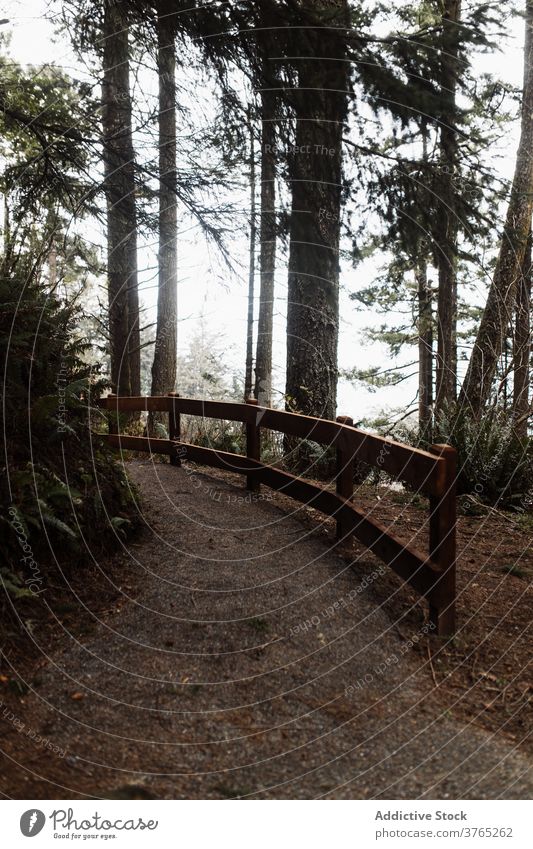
(253, 449)
(442, 544)
(174, 427)
(344, 480)
(112, 418)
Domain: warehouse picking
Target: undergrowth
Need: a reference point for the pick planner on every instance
(494, 465)
(62, 492)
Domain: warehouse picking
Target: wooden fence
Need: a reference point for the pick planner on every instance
(431, 473)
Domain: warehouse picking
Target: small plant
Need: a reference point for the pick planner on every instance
(309, 459)
(61, 484)
(213, 433)
(516, 570)
(228, 792)
(258, 624)
(493, 464)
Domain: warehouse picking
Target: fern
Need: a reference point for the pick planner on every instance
(13, 585)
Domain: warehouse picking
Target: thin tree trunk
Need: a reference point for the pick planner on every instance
(315, 171)
(251, 271)
(134, 334)
(52, 267)
(522, 346)
(505, 375)
(499, 309)
(119, 183)
(6, 235)
(263, 360)
(165, 354)
(425, 350)
(446, 237)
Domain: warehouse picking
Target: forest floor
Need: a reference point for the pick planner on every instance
(231, 650)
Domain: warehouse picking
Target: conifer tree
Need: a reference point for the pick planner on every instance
(315, 174)
(165, 353)
(501, 300)
(120, 192)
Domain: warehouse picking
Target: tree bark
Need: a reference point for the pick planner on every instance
(134, 334)
(251, 272)
(6, 237)
(267, 258)
(446, 235)
(165, 355)
(501, 300)
(52, 267)
(119, 184)
(114, 83)
(425, 350)
(315, 171)
(522, 347)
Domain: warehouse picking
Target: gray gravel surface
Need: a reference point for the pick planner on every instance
(251, 660)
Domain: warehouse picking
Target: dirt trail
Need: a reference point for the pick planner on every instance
(249, 660)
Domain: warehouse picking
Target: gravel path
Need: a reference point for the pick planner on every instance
(249, 661)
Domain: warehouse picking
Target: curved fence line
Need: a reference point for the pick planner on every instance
(432, 472)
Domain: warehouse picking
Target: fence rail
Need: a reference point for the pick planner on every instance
(433, 473)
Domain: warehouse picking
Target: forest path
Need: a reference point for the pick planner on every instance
(250, 660)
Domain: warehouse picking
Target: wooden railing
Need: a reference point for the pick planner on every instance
(431, 472)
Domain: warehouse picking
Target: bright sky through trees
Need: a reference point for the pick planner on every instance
(206, 290)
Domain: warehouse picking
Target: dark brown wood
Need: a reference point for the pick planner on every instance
(344, 480)
(174, 426)
(432, 576)
(411, 565)
(417, 468)
(253, 446)
(423, 471)
(131, 403)
(237, 463)
(112, 419)
(442, 545)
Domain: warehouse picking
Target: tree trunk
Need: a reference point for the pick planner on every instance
(315, 172)
(263, 360)
(115, 61)
(119, 183)
(425, 350)
(251, 272)
(446, 236)
(52, 267)
(7, 225)
(165, 354)
(522, 347)
(501, 300)
(134, 334)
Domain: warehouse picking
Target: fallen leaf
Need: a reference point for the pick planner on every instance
(488, 675)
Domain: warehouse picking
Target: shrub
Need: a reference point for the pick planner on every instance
(218, 434)
(62, 489)
(493, 463)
